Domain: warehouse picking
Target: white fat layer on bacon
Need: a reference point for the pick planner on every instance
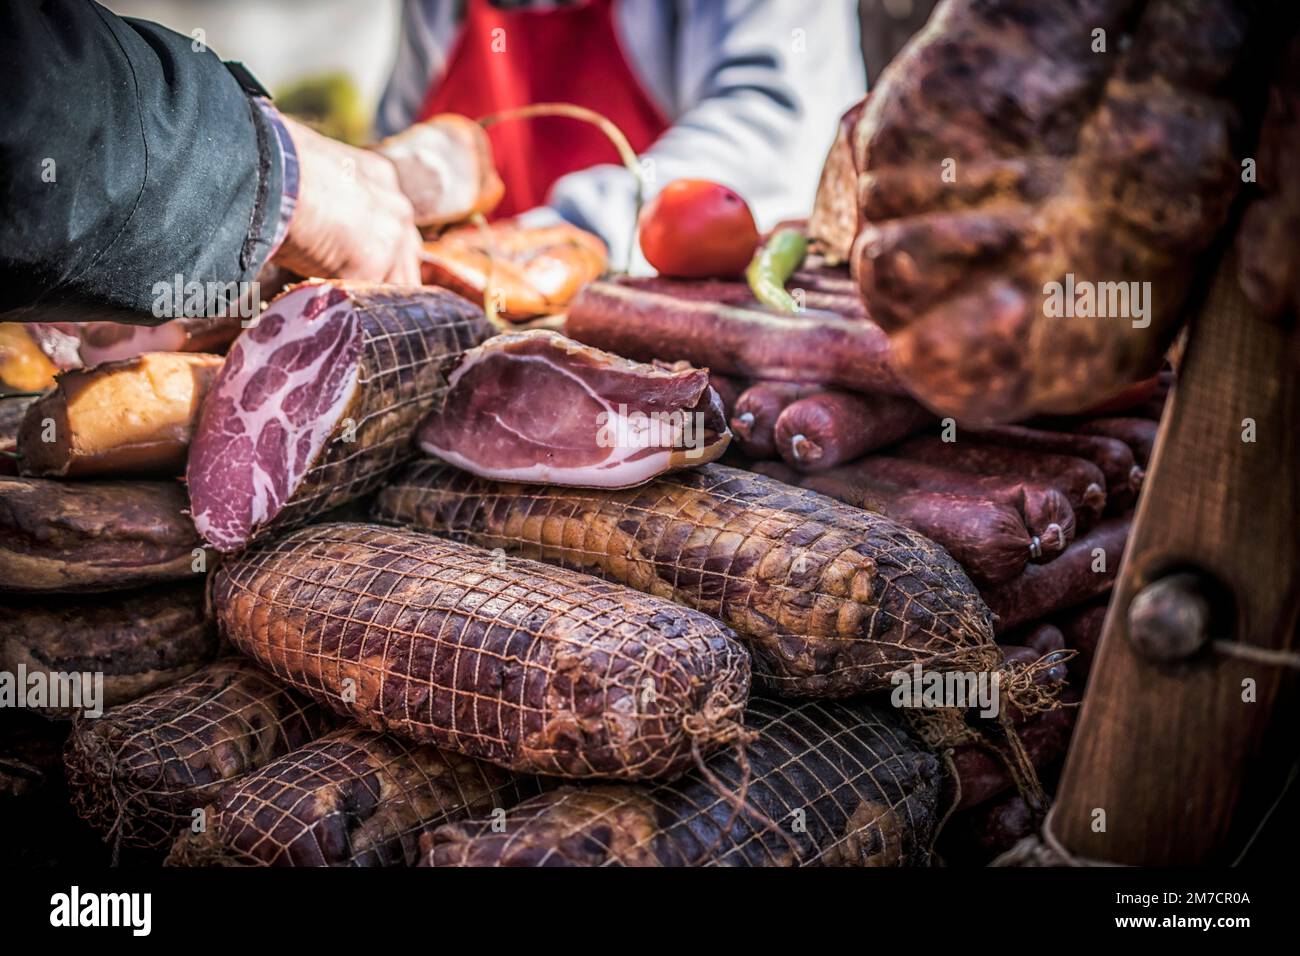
(257, 354)
(607, 474)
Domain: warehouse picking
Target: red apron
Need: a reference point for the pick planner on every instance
(508, 58)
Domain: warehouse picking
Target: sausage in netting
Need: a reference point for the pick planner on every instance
(830, 599)
(138, 773)
(1045, 510)
(1081, 481)
(1138, 433)
(534, 668)
(832, 427)
(1114, 458)
(755, 343)
(1075, 577)
(753, 421)
(988, 540)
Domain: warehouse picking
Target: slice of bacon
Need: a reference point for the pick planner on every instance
(536, 406)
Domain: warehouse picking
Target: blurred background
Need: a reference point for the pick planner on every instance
(326, 61)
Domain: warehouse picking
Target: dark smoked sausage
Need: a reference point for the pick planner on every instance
(753, 422)
(988, 540)
(1138, 433)
(811, 346)
(1044, 589)
(1045, 510)
(1114, 458)
(832, 427)
(1081, 481)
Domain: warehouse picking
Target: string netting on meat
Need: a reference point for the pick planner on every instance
(351, 798)
(532, 667)
(846, 784)
(138, 773)
(410, 344)
(833, 600)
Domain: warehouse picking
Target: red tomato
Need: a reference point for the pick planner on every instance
(698, 229)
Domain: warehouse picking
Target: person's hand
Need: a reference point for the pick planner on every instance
(352, 220)
(445, 167)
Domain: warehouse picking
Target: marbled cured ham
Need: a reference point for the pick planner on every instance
(318, 401)
(536, 406)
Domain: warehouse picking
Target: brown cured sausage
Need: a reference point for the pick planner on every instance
(868, 790)
(988, 540)
(1081, 481)
(1115, 459)
(817, 291)
(1045, 510)
(753, 422)
(133, 417)
(94, 535)
(830, 599)
(751, 342)
(1138, 433)
(138, 774)
(534, 668)
(1044, 589)
(827, 429)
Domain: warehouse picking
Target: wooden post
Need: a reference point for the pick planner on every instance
(1169, 727)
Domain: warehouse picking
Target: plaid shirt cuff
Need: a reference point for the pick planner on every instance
(288, 169)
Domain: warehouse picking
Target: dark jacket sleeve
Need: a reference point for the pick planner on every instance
(127, 157)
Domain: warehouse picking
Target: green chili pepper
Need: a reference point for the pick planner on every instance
(773, 264)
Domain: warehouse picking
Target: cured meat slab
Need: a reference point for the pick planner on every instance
(826, 784)
(133, 417)
(319, 400)
(534, 668)
(830, 599)
(536, 406)
(94, 535)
